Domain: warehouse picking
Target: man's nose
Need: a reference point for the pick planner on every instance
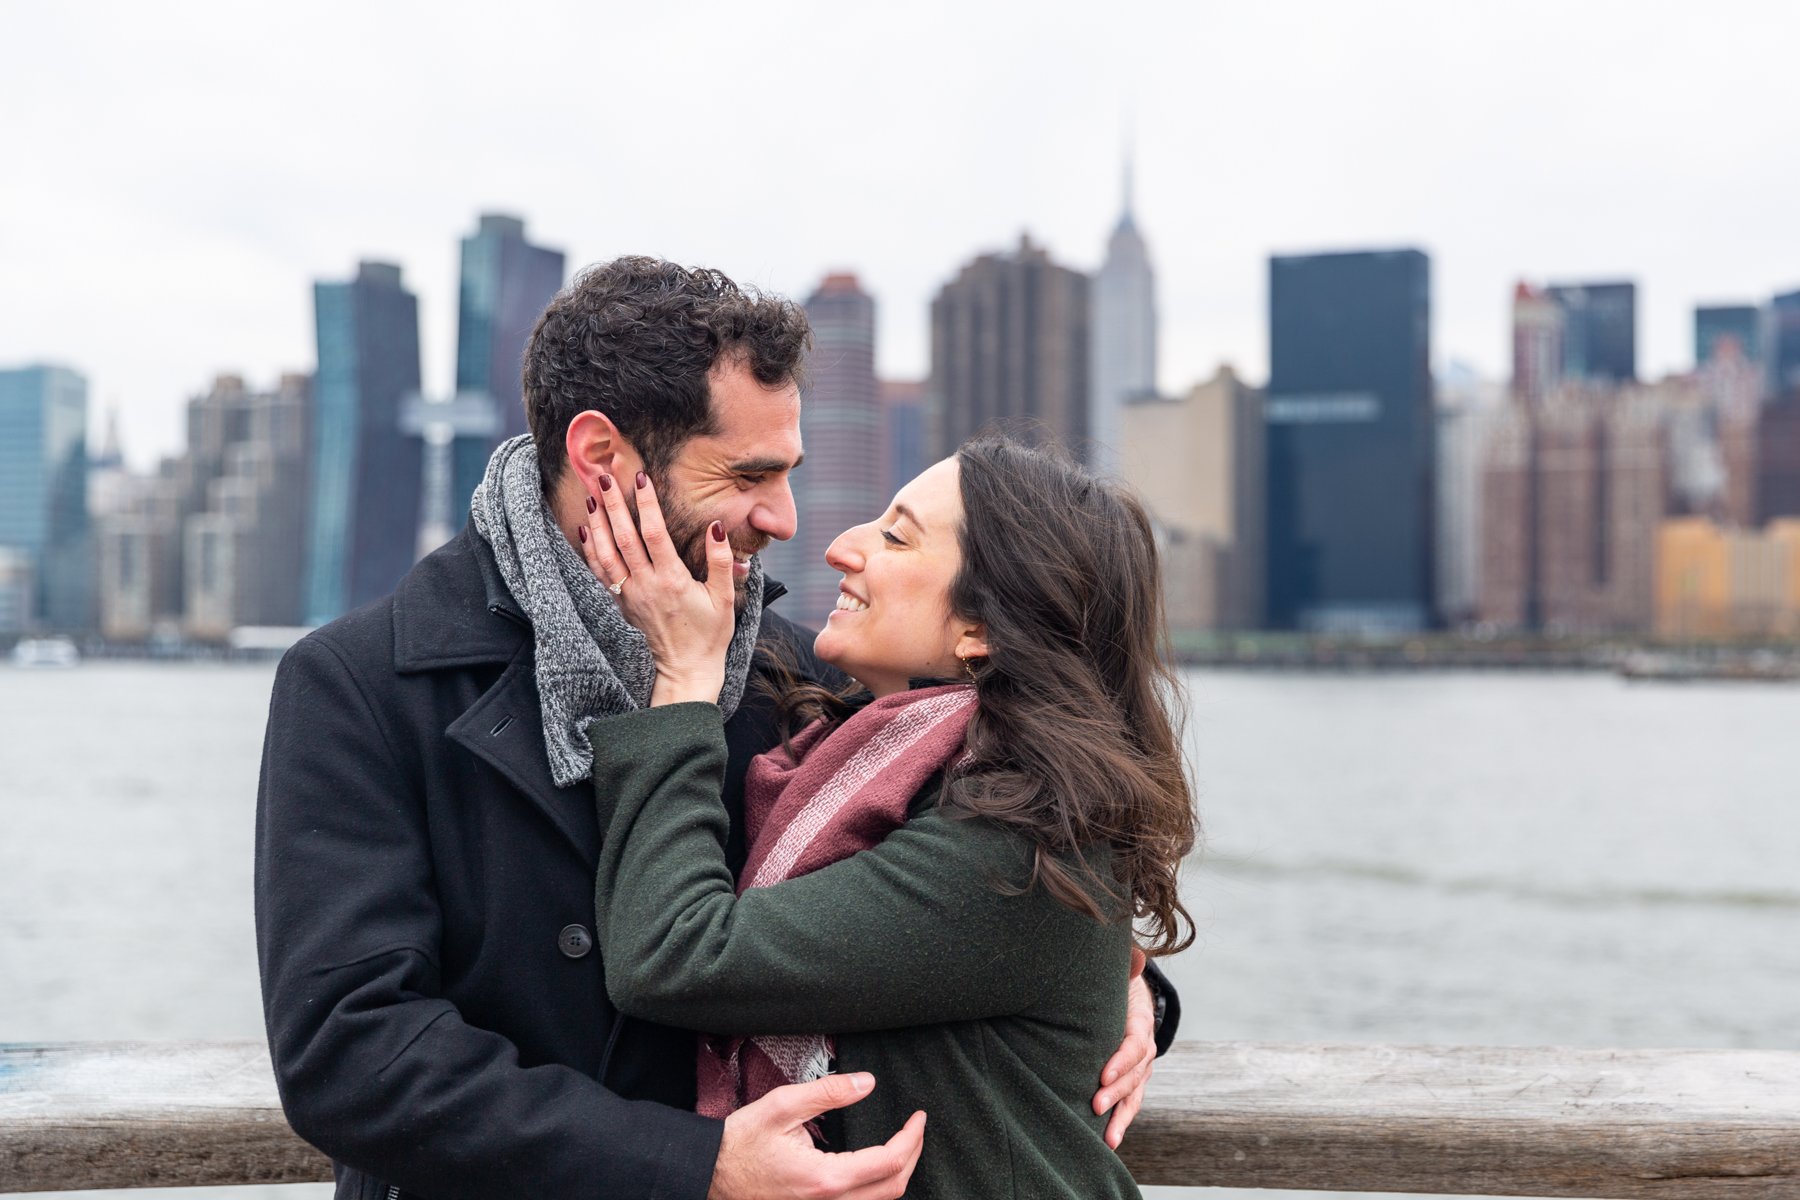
(775, 515)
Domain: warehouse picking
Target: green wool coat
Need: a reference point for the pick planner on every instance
(992, 1012)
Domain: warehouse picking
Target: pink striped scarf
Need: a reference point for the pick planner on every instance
(837, 794)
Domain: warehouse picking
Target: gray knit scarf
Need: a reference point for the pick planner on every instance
(590, 661)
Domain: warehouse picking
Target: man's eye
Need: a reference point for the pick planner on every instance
(887, 535)
(751, 480)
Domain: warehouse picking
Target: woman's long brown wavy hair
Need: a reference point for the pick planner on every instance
(1075, 741)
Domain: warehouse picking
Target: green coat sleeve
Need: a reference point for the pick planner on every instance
(911, 932)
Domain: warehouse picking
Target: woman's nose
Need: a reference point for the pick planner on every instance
(845, 554)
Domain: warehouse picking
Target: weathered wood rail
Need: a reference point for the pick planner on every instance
(1457, 1120)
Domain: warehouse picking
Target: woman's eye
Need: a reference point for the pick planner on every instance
(887, 535)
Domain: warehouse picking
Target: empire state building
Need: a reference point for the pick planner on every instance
(1123, 362)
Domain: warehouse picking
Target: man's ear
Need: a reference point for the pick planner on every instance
(596, 446)
(972, 643)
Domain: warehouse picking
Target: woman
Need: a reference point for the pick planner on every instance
(1010, 771)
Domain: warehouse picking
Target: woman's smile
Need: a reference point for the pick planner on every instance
(906, 559)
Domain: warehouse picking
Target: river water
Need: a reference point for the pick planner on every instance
(1517, 859)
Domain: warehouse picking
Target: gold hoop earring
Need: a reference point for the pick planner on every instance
(968, 666)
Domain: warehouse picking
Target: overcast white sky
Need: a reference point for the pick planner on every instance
(173, 176)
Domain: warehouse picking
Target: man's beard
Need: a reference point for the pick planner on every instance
(688, 533)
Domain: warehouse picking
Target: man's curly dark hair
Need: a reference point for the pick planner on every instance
(635, 338)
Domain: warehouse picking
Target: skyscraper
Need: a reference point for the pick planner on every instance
(1466, 407)
(840, 424)
(1197, 462)
(1740, 322)
(1777, 458)
(242, 547)
(364, 498)
(1507, 575)
(1350, 442)
(902, 432)
(1537, 344)
(140, 558)
(1599, 330)
(467, 419)
(1605, 488)
(1777, 452)
(506, 282)
(1573, 493)
(1782, 345)
(108, 476)
(18, 587)
(1124, 335)
(43, 490)
(1732, 390)
(1009, 351)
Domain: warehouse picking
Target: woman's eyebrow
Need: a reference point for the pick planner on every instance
(903, 511)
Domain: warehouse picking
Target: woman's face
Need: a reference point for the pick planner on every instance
(893, 621)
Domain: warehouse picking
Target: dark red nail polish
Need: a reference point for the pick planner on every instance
(606, 483)
(643, 481)
(718, 532)
(593, 505)
(582, 529)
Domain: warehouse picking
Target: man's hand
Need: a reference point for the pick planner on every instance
(1122, 1080)
(767, 1154)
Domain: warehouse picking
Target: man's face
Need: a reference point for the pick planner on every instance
(737, 475)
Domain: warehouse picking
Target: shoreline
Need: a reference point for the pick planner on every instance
(1644, 658)
(1637, 658)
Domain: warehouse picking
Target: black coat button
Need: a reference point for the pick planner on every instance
(575, 941)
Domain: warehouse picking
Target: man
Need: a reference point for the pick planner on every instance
(426, 834)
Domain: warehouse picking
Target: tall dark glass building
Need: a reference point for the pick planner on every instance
(1742, 323)
(506, 282)
(364, 518)
(1350, 483)
(43, 491)
(1782, 346)
(1599, 331)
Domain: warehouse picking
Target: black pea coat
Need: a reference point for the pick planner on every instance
(437, 1012)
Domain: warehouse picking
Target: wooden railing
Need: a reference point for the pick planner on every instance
(1460, 1120)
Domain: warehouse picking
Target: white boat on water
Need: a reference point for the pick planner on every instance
(45, 652)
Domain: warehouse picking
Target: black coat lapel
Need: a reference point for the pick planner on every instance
(505, 729)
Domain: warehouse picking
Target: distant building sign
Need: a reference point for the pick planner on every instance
(1338, 408)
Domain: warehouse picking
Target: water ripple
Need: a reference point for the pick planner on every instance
(1401, 876)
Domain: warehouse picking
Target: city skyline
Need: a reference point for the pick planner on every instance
(1547, 505)
(188, 228)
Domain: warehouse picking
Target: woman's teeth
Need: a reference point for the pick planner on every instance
(848, 603)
